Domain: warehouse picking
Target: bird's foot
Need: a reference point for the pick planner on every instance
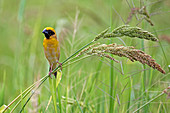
(60, 64)
(50, 74)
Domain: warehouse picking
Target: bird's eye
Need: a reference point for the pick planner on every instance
(50, 32)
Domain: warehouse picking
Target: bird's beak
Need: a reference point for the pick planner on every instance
(45, 31)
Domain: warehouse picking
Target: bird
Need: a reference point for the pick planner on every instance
(51, 49)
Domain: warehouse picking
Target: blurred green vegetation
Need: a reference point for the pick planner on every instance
(77, 22)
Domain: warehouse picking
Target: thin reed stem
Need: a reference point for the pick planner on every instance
(73, 55)
(148, 102)
(162, 50)
(25, 91)
(33, 94)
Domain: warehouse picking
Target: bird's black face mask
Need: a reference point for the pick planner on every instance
(48, 33)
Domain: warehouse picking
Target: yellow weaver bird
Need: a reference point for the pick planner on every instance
(51, 48)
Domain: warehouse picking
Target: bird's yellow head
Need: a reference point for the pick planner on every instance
(49, 31)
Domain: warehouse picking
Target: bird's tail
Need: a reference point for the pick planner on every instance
(55, 74)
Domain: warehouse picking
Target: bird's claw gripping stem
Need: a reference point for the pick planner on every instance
(60, 64)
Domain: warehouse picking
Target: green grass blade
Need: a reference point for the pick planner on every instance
(162, 50)
(148, 102)
(78, 103)
(32, 95)
(21, 10)
(53, 93)
(59, 99)
(2, 90)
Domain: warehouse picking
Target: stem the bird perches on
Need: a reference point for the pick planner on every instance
(73, 55)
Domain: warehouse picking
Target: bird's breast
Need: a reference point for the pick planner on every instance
(51, 49)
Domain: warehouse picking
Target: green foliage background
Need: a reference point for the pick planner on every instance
(77, 22)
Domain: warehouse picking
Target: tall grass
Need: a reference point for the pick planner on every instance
(112, 91)
(91, 84)
(2, 91)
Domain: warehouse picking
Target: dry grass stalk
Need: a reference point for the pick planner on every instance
(104, 50)
(166, 92)
(133, 11)
(126, 30)
(34, 99)
(141, 11)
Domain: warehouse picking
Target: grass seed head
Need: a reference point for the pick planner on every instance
(126, 30)
(130, 52)
(86, 49)
(101, 34)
